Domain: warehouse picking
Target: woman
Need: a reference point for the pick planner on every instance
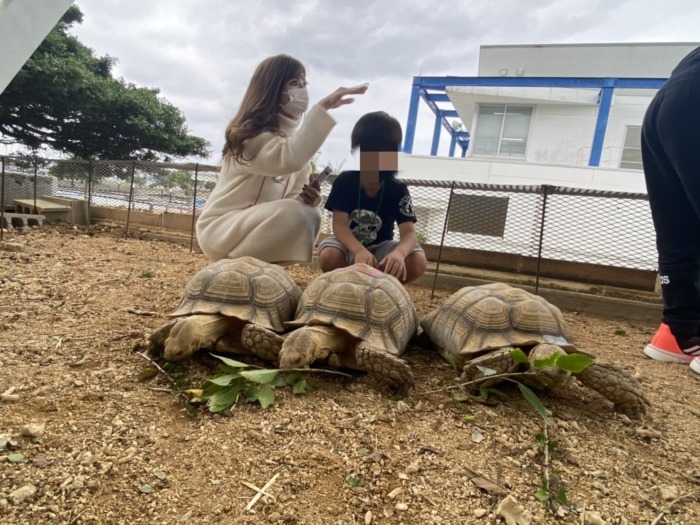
(264, 204)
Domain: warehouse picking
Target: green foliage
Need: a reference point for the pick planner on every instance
(238, 381)
(65, 98)
(534, 401)
(171, 179)
(15, 457)
(518, 356)
(621, 333)
(574, 363)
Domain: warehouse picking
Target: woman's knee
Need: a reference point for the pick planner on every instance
(331, 258)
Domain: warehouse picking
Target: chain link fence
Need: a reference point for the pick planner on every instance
(539, 222)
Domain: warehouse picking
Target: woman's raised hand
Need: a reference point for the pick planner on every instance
(340, 96)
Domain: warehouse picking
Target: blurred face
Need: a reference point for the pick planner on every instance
(379, 160)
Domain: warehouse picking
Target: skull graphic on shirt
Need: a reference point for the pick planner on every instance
(365, 225)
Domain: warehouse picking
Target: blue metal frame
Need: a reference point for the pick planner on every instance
(422, 85)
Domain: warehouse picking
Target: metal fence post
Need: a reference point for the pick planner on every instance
(442, 239)
(545, 191)
(91, 168)
(36, 172)
(194, 205)
(2, 200)
(131, 197)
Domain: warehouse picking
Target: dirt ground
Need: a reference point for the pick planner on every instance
(85, 439)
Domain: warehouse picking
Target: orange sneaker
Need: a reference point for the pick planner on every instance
(666, 347)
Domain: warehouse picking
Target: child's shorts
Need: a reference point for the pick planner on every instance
(379, 250)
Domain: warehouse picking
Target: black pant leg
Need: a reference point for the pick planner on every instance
(671, 156)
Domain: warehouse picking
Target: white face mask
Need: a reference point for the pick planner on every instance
(298, 101)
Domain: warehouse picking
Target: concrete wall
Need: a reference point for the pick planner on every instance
(21, 186)
(520, 173)
(642, 60)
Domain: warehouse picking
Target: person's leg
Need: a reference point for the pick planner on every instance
(332, 254)
(670, 134)
(416, 263)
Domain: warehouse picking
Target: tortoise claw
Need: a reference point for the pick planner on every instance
(262, 342)
(617, 385)
(385, 367)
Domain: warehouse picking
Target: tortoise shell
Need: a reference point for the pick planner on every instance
(245, 288)
(477, 319)
(362, 301)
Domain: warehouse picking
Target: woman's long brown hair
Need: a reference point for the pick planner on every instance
(259, 108)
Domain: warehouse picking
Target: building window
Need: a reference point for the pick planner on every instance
(502, 130)
(632, 150)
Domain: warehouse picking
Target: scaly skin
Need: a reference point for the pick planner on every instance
(262, 342)
(385, 367)
(618, 386)
(189, 334)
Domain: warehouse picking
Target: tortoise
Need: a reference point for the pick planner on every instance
(355, 317)
(223, 297)
(480, 326)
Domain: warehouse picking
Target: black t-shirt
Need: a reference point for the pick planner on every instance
(373, 220)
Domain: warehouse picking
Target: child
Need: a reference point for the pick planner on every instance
(367, 204)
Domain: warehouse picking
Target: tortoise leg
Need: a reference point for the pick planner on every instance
(617, 385)
(498, 360)
(191, 333)
(384, 367)
(262, 342)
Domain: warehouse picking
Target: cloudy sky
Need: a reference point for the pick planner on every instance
(202, 53)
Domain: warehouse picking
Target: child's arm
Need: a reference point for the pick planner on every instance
(395, 261)
(342, 232)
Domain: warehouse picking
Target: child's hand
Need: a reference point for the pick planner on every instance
(394, 264)
(366, 257)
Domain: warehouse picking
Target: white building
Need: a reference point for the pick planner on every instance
(562, 114)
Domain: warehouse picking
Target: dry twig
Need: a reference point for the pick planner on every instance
(667, 510)
(261, 492)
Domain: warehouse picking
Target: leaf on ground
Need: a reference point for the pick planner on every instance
(224, 380)
(146, 374)
(15, 458)
(518, 356)
(292, 379)
(355, 481)
(146, 488)
(485, 484)
(265, 395)
(263, 377)
(223, 399)
(231, 362)
(532, 398)
(574, 362)
(301, 387)
(491, 395)
(620, 333)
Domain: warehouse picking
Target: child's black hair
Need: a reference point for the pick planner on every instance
(377, 131)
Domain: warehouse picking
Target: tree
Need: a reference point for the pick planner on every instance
(66, 98)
